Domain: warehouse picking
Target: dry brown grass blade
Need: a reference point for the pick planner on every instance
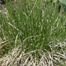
(19, 58)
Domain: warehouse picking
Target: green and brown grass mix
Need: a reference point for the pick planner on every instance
(32, 33)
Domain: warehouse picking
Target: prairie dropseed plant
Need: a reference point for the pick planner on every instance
(34, 34)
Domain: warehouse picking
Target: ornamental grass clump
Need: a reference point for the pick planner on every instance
(35, 27)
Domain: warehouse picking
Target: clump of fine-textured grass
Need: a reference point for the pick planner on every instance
(32, 25)
(38, 32)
